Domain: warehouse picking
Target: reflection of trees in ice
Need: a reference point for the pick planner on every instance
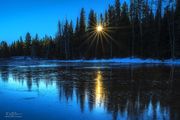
(129, 92)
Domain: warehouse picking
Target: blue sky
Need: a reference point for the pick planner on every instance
(17, 17)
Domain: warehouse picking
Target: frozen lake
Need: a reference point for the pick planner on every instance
(49, 90)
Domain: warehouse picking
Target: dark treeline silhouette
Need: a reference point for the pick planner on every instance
(139, 28)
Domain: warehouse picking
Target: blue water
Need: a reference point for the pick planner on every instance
(89, 92)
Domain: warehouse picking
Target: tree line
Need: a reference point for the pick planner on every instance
(141, 28)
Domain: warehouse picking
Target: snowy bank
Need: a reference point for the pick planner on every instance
(124, 61)
(29, 60)
(115, 60)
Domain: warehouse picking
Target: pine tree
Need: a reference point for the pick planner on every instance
(21, 46)
(71, 40)
(123, 32)
(177, 29)
(158, 20)
(82, 33)
(76, 40)
(132, 19)
(28, 44)
(66, 40)
(82, 29)
(4, 49)
(111, 23)
(92, 23)
(58, 40)
(35, 49)
(117, 11)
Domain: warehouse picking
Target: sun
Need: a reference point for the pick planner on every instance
(99, 28)
(99, 34)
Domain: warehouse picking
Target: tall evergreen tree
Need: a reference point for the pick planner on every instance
(92, 23)
(82, 26)
(82, 33)
(35, 49)
(71, 40)
(117, 11)
(4, 50)
(66, 40)
(58, 40)
(158, 20)
(123, 32)
(177, 29)
(28, 44)
(112, 23)
(76, 39)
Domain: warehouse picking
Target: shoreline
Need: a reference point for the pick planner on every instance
(127, 60)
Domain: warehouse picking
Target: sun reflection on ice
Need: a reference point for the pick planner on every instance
(99, 92)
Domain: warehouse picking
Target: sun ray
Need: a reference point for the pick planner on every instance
(111, 38)
(92, 35)
(101, 40)
(105, 38)
(93, 39)
(97, 42)
(98, 35)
